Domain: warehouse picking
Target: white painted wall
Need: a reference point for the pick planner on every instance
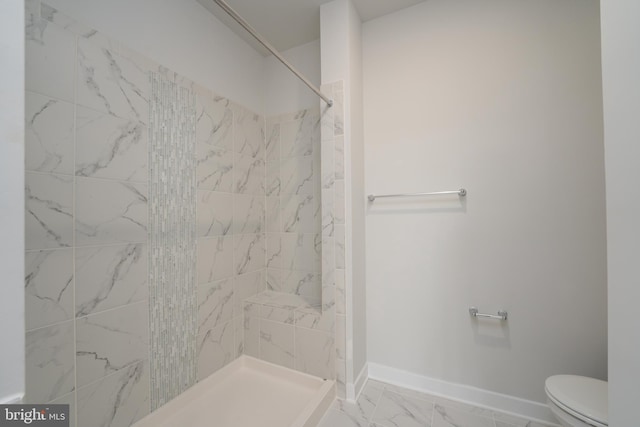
(181, 35)
(504, 99)
(284, 92)
(621, 94)
(356, 244)
(12, 200)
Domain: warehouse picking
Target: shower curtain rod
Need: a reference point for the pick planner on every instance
(232, 13)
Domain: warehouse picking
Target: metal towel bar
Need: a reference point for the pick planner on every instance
(502, 314)
(461, 192)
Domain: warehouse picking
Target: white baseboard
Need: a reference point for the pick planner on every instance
(472, 395)
(354, 390)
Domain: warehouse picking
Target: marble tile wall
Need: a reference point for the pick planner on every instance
(230, 227)
(333, 223)
(87, 221)
(293, 204)
(86, 281)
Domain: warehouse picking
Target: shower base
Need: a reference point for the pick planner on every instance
(248, 393)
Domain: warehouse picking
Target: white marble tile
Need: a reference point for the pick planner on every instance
(328, 218)
(329, 298)
(340, 246)
(315, 353)
(414, 394)
(110, 212)
(215, 304)
(296, 175)
(245, 286)
(316, 319)
(110, 341)
(508, 420)
(306, 284)
(49, 363)
(341, 379)
(366, 403)
(317, 251)
(251, 342)
(248, 175)
(340, 337)
(273, 215)
(274, 278)
(341, 295)
(248, 130)
(214, 126)
(49, 128)
(448, 417)
(395, 410)
(276, 343)
(110, 276)
(238, 335)
(273, 184)
(249, 252)
(299, 213)
(369, 398)
(214, 168)
(48, 287)
(214, 213)
(327, 123)
(327, 166)
(328, 261)
(299, 137)
(54, 16)
(461, 406)
(273, 142)
(215, 349)
(336, 418)
(298, 252)
(68, 399)
(339, 157)
(339, 210)
(274, 252)
(48, 211)
(248, 214)
(338, 114)
(110, 83)
(110, 147)
(50, 53)
(118, 400)
(31, 13)
(252, 309)
(215, 259)
(277, 314)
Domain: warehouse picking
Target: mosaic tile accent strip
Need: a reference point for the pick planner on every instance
(172, 239)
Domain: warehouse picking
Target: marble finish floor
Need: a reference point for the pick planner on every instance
(385, 405)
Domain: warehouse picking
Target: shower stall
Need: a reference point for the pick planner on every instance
(170, 230)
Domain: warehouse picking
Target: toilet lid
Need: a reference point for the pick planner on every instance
(585, 398)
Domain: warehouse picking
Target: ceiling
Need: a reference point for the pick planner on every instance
(289, 23)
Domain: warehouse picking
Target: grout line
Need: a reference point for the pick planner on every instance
(75, 283)
(112, 309)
